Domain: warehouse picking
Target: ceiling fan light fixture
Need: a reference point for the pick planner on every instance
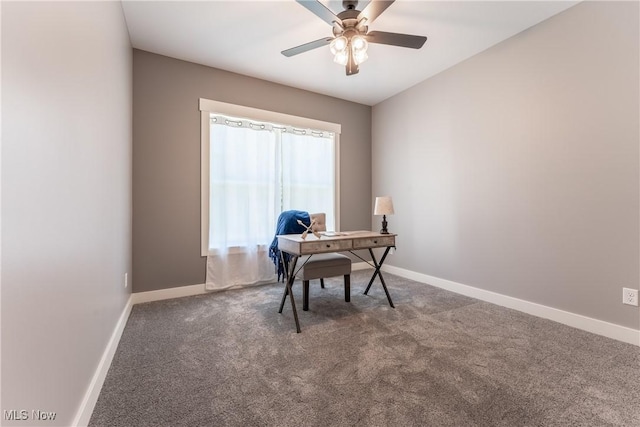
(341, 57)
(359, 43)
(359, 47)
(339, 44)
(360, 56)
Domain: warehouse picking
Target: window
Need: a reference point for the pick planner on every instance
(256, 164)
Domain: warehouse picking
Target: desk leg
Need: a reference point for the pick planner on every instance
(287, 291)
(286, 278)
(379, 274)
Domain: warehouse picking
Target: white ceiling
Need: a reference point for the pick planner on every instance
(246, 37)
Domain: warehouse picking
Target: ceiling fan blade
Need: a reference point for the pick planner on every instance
(318, 9)
(395, 39)
(374, 9)
(307, 46)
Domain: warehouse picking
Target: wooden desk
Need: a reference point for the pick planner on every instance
(349, 241)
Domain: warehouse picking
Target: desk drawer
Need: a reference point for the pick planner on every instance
(374, 242)
(325, 246)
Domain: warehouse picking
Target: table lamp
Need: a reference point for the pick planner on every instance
(384, 207)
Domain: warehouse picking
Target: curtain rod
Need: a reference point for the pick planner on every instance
(222, 120)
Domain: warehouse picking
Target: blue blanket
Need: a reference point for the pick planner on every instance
(287, 224)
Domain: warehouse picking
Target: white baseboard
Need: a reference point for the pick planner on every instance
(186, 291)
(93, 391)
(359, 266)
(599, 327)
(161, 294)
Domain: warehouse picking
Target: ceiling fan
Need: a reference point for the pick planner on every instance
(351, 34)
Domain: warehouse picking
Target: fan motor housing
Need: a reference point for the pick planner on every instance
(349, 4)
(349, 21)
(349, 28)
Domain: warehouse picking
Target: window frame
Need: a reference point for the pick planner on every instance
(208, 107)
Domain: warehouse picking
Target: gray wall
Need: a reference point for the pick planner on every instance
(517, 171)
(66, 198)
(166, 159)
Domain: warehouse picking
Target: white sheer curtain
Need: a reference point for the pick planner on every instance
(308, 174)
(256, 171)
(243, 206)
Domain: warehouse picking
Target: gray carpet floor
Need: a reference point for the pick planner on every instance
(437, 359)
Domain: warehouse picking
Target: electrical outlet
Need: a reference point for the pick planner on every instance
(126, 279)
(630, 296)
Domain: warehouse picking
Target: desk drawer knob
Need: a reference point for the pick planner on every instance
(328, 246)
(375, 242)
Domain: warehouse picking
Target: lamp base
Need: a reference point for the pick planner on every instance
(384, 225)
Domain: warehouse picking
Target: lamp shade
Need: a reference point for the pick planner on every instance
(384, 206)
